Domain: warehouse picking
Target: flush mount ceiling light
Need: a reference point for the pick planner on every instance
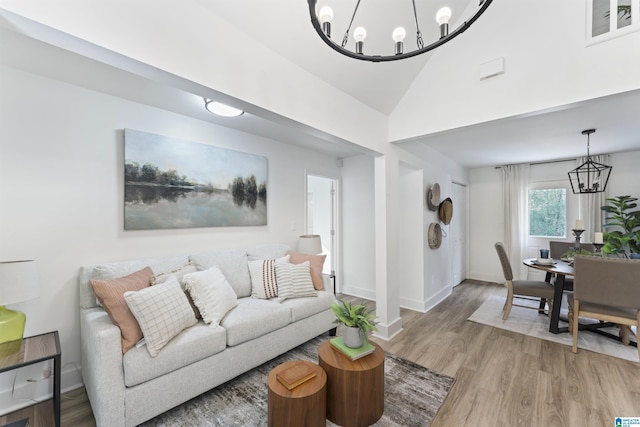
(220, 109)
(321, 19)
(590, 177)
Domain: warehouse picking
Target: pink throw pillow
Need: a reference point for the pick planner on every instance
(316, 262)
(110, 293)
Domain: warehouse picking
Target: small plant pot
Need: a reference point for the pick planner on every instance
(352, 337)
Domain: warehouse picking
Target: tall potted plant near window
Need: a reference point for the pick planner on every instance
(624, 221)
(358, 321)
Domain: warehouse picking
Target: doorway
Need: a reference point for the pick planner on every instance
(322, 218)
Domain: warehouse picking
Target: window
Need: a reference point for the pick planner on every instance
(547, 212)
(607, 19)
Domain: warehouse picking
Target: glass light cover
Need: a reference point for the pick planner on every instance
(443, 15)
(220, 109)
(399, 34)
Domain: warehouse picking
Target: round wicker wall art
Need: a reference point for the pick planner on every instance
(434, 235)
(433, 197)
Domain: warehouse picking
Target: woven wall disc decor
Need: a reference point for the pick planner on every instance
(433, 197)
(434, 235)
(445, 210)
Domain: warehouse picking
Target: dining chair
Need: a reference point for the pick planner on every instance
(524, 289)
(557, 249)
(606, 289)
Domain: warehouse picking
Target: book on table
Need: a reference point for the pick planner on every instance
(299, 373)
(352, 353)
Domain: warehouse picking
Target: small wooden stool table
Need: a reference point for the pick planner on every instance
(355, 389)
(304, 405)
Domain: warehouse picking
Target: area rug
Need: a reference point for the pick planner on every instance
(530, 322)
(413, 395)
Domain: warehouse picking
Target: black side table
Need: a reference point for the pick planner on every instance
(32, 350)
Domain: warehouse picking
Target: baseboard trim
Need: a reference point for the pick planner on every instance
(25, 393)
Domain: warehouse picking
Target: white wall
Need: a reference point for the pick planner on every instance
(61, 192)
(547, 64)
(358, 229)
(410, 279)
(486, 211)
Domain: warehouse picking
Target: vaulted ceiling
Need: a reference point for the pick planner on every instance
(284, 28)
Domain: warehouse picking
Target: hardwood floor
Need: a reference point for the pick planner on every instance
(502, 378)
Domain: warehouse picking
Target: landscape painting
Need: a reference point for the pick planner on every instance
(172, 183)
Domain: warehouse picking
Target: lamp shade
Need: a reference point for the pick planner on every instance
(18, 281)
(309, 244)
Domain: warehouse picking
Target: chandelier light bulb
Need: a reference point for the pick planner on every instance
(359, 34)
(326, 15)
(443, 16)
(399, 34)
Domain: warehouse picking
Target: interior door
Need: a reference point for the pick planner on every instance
(458, 231)
(321, 216)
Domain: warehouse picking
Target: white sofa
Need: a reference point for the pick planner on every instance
(128, 389)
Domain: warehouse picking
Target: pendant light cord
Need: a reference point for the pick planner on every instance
(346, 34)
(419, 40)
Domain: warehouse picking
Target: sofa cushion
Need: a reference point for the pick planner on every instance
(264, 282)
(110, 293)
(294, 281)
(317, 264)
(162, 311)
(211, 293)
(302, 308)
(253, 318)
(269, 251)
(232, 263)
(191, 345)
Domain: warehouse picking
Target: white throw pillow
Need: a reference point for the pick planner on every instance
(294, 281)
(211, 293)
(162, 311)
(264, 282)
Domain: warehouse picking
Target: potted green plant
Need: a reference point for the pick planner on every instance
(358, 321)
(624, 240)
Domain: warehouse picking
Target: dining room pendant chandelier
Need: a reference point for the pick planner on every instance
(590, 177)
(322, 18)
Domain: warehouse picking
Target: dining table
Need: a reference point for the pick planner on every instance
(560, 269)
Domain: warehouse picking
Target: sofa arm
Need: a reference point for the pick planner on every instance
(102, 366)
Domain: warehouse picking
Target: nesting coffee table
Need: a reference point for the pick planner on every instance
(355, 389)
(304, 405)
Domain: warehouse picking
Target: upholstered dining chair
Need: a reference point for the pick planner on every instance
(557, 249)
(525, 289)
(605, 289)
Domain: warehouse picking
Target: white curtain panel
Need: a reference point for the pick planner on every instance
(589, 204)
(515, 182)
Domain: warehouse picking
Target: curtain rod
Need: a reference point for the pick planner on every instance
(543, 163)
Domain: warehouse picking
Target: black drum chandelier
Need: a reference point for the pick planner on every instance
(321, 19)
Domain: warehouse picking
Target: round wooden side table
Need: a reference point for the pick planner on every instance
(304, 405)
(355, 389)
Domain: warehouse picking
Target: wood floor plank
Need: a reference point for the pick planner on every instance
(501, 378)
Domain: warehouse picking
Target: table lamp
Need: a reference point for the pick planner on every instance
(18, 282)
(309, 244)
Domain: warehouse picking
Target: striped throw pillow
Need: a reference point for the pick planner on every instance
(294, 281)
